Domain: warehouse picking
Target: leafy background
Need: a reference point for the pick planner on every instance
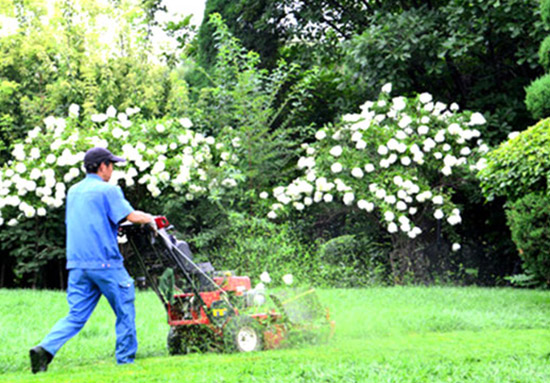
(276, 83)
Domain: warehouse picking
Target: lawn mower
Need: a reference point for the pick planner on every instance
(211, 310)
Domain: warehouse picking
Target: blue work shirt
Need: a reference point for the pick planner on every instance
(94, 210)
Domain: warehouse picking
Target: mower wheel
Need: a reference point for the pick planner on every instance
(174, 342)
(242, 334)
(188, 339)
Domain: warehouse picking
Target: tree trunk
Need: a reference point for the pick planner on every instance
(408, 264)
(34, 279)
(2, 273)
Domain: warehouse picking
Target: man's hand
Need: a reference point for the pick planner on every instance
(152, 225)
(140, 217)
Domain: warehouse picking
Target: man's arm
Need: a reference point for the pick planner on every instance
(140, 217)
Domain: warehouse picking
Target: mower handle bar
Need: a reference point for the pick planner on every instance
(174, 248)
(163, 225)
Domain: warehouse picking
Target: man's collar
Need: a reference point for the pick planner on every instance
(94, 176)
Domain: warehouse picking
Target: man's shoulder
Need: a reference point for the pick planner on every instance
(109, 190)
(76, 186)
(93, 184)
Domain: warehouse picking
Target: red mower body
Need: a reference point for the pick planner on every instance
(237, 286)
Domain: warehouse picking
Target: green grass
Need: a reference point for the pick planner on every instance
(411, 334)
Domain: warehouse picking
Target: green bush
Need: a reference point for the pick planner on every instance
(519, 170)
(538, 92)
(537, 97)
(35, 251)
(529, 221)
(350, 261)
(544, 54)
(251, 245)
(518, 166)
(545, 11)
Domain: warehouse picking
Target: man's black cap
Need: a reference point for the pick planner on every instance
(96, 156)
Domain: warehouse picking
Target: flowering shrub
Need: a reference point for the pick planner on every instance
(398, 157)
(161, 155)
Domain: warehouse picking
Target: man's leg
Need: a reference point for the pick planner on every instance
(118, 288)
(82, 296)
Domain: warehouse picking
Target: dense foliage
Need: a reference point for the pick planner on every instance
(55, 60)
(475, 53)
(518, 171)
(216, 123)
(529, 220)
(48, 159)
(537, 96)
(480, 54)
(519, 166)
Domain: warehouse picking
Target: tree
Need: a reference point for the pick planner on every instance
(45, 67)
(252, 22)
(477, 53)
(538, 93)
(480, 54)
(54, 57)
(201, 167)
(267, 28)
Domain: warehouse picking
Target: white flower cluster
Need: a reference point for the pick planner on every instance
(265, 278)
(159, 156)
(393, 144)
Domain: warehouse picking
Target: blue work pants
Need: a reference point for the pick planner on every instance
(85, 287)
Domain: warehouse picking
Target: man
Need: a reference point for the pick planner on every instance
(93, 212)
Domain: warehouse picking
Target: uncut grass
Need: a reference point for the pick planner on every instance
(411, 334)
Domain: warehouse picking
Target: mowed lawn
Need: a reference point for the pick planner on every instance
(398, 334)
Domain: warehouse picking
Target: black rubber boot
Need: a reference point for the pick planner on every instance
(40, 359)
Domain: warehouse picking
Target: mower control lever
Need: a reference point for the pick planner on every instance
(162, 222)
